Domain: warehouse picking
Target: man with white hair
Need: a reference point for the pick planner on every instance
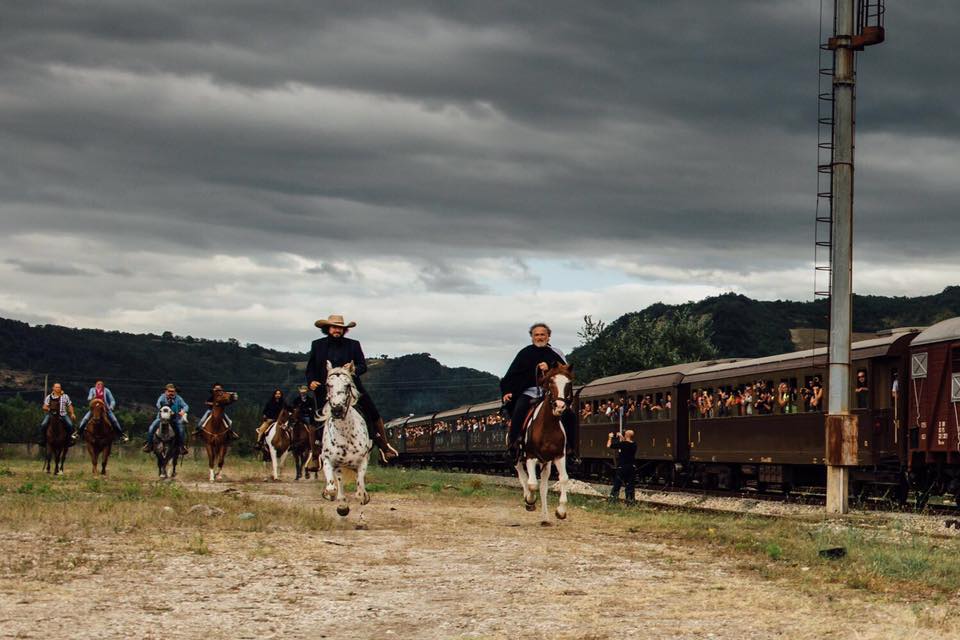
(521, 389)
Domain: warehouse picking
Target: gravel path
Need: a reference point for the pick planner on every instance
(427, 567)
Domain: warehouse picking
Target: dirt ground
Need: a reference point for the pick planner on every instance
(425, 567)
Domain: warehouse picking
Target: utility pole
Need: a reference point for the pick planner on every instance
(857, 23)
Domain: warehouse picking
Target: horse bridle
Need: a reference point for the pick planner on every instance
(350, 399)
(548, 390)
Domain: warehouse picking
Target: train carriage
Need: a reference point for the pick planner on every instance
(649, 401)
(487, 434)
(450, 437)
(934, 425)
(738, 436)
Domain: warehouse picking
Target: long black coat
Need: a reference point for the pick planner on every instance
(522, 373)
(320, 353)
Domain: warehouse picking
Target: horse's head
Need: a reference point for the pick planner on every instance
(97, 407)
(342, 392)
(557, 385)
(222, 398)
(166, 414)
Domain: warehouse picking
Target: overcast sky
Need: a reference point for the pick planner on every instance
(446, 173)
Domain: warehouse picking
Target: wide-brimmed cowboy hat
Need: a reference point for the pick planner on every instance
(334, 321)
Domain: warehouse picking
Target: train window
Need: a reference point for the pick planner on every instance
(918, 365)
(955, 388)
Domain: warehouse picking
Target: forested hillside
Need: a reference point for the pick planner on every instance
(136, 367)
(737, 326)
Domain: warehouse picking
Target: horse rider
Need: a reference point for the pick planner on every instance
(304, 405)
(338, 350)
(57, 402)
(101, 392)
(170, 398)
(271, 411)
(520, 385)
(201, 423)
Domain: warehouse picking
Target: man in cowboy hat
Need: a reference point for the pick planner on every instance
(338, 351)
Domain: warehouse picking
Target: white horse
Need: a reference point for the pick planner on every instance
(345, 439)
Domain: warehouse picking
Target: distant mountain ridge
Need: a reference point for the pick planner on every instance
(136, 366)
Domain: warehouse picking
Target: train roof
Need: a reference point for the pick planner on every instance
(860, 350)
(396, 422)
(449, 413)
(493, 405)
(419, 419)
(941, 332)
(641, 380)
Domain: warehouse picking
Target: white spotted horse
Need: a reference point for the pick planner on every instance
(544, 442)
(346, 442)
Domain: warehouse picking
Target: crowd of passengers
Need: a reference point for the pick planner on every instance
(761, 397)
(473, 423)
(651, 406)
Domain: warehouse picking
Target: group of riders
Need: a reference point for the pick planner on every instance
(520, 388)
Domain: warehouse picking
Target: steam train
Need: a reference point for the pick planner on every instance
(690, 433)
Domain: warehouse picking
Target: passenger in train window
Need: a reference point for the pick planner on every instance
(816, 394)
(692, 410)
(646, 404)
(631, 410)
(786, 401)
(862, 389)
(747, 400)
(668, 406)
(656, 409)
(586, 410)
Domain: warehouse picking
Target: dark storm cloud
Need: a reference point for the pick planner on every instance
(684, 129)
(39, 268)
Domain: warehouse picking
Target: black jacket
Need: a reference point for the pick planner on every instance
(522, 373)
(344, 350)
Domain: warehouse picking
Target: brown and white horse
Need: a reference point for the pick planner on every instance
(216, 432)
(98, 436)
(545, 442)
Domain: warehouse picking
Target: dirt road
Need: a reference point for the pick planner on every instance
(426, 567)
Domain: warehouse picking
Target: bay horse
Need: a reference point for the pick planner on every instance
(544, 442)
(57, 444)
(165, 445)
(99, 436)
(345, 439)
(303, 446)
(278, 439)
(216, 433)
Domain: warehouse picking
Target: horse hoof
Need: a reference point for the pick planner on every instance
(530, 507)
(561, 515)
(532, 500)
(544, 523)
(343, 510)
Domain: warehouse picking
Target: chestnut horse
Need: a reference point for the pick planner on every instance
(99, 436)
(216, 432)
(57, 444)
(544, 442)
(303, 447)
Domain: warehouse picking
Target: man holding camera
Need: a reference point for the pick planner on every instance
(625, 473)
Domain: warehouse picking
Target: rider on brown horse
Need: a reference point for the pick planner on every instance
(338, 351)
(99, 391)
(520, 386)
(57, 402)
(170, 398)
(206, 415)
